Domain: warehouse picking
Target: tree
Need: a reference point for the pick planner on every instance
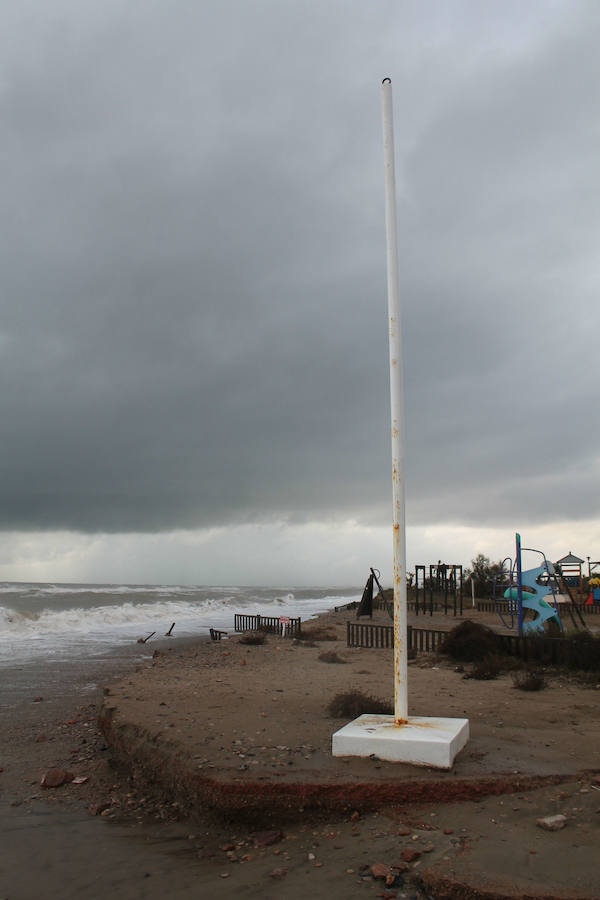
(484, 573)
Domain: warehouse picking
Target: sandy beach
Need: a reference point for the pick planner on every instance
(218, 742)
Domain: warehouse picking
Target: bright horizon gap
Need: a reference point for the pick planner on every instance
(314, 554)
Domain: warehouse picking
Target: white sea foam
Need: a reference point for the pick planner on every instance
(66, 621)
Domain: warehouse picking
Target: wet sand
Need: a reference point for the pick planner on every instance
(238, 716)
(51, 844)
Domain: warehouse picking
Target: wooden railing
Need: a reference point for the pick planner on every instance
(270, 624)
(363, 634)
(503, 607)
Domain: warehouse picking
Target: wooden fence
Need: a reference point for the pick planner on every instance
(504, 607)
(363, 634)
(542, 649)
(555, 651)
(271, 624)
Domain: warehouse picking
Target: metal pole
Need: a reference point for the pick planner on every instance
(519, 582)
(397, 411)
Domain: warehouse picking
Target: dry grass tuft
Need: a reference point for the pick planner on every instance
(253, 637)
(330, 656)
(350, 704)
(529, 680)
(318, 633)
(487, 668)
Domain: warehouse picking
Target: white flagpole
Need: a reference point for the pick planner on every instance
(420, 740)
(397, 411)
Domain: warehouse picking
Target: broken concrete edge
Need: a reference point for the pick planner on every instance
(160, 765)
(444, 888)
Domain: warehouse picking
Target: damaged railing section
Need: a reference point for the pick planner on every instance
(284, 626)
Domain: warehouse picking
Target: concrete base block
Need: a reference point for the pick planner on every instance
(422, 741)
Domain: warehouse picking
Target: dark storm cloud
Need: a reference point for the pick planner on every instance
(193, 320)
(503, 199)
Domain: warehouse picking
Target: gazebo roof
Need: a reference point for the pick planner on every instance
(569, 560)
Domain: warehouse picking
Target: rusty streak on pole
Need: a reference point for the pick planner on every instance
(397, 413)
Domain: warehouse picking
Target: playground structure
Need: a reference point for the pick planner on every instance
(569, 568)
(445, 583)
(528, 593)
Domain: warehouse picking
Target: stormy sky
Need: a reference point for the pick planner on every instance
(193, 328)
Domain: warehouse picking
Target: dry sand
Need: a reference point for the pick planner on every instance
(238, 738)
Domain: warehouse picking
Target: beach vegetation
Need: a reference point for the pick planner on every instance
(529, 680)
(488, 668)
(584, 651)
(253, 637)
(350, 704)
(469, 642)
(318, 633)
(330, 656)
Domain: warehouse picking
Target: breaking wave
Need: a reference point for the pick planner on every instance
(75, 620)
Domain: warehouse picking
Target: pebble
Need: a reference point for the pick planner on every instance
(380, 870)
(278, 873)
(551, 823)
(55, 778)
(266, 838)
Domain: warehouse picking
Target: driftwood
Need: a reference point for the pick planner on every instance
(143, 640)
(216, 635)
(168, 633)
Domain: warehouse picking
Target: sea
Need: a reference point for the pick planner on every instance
(44, 622)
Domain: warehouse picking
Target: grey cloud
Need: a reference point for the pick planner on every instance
(193, 293)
